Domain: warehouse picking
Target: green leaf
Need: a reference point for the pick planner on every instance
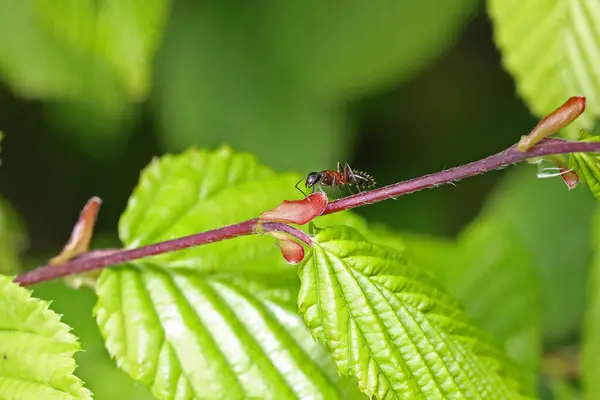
(13, 238)
(94, 366)
(36, 349)
(218, 319)
(392, 328)
(546, 219)
(259, 80)
(489, 253)
(124, 34)
(37, 65)
(591, 327)
(494, 257)
(587, 166)
(551, 48)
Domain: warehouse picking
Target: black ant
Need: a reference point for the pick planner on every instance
(344, 175)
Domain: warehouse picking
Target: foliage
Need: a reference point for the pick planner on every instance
(392, 328)
(370, 313)
(213, 319)
(552, 49)
(36, 349)
(489, 254)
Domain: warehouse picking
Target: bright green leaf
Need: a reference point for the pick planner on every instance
(217, 320)
(197, 336)
(94, 366)
(124, 34)
(36, 349)
(587, 166)
(552, 49)
(546, 219)
(392, 328)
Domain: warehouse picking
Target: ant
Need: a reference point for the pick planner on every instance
(344, 175)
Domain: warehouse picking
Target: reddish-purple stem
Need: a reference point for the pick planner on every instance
(103, 258)
(496, 161)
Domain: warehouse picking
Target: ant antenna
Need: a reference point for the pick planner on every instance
(300, 181)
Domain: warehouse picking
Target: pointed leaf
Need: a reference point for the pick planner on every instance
(551, 47)
(36, 349)
(392, 328)
(124, 34)
(217, 320)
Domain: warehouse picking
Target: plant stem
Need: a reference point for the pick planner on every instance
(98, 259)
(496, 161)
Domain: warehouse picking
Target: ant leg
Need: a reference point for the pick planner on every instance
(320, 189)
(348, 173)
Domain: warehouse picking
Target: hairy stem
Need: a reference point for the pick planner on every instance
(98, 259)
(497, 161)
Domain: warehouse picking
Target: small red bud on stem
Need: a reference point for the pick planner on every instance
(292, 251)
(297, 212)
(553, 122)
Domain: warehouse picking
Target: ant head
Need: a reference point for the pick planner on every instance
(313, 178)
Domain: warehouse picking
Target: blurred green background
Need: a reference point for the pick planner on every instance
(398, 89)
